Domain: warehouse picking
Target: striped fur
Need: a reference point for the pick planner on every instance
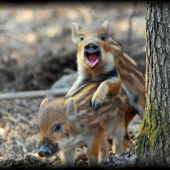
(82, 125)
(114, 69)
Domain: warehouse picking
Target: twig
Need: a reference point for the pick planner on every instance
(21, 145)
(86, 15)
(129, 33)
(24, 120)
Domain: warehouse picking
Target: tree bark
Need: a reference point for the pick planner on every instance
(153, 147)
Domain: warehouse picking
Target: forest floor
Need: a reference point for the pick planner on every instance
(18, 138)
(37, 51)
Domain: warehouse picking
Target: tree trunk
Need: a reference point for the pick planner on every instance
(153, 147)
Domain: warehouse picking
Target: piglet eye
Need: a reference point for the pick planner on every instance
(81, 37)
(103, 37)
(57, 128)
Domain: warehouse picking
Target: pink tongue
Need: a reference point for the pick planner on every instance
(92, 58)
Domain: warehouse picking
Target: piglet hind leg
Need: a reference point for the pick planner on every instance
(104, 151)
(118, 140)
(93, 151)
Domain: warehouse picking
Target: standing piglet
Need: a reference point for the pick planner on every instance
(70, 122)
(100, 58)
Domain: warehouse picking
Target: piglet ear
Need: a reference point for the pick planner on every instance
(105, 25)
(75, 32)
(71, 109)
(43, 104)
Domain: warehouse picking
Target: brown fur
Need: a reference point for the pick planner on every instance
(82, 125)
(115, 69)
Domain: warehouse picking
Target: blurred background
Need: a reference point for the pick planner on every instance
(36, 47)
(36, 51)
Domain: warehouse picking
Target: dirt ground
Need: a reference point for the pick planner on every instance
(36, 51)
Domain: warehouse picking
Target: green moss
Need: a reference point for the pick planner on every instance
(154, 128)
(156, 125)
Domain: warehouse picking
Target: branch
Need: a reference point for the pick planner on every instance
(86, 15)
(31, 94)
(129, 32)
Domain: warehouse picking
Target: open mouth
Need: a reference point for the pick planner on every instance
(92, 59)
